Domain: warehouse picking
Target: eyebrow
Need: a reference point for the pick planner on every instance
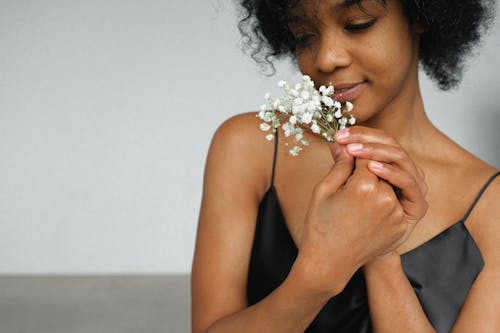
(345, 4)
(339, 6)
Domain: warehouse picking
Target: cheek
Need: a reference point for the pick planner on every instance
(388, 63)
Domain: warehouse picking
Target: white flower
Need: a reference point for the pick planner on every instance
(298, 109)
(327, 100)
(269, 116)
(348, 106)
(261, 114)
(306, 117)
(304, 95)
(304, 106)
(313, 105)
(328, 91)
(288, 129)
(315, 128)
(295, 150)
(265, 127)
(276, 122)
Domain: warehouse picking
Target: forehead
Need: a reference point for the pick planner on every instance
(301, 10)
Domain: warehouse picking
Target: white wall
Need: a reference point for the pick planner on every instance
(107, 108)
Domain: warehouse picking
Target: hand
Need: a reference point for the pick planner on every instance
(353, 217)
(390, 161)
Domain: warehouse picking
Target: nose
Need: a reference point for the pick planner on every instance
(331, 54)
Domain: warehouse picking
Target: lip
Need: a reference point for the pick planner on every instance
(349, 94)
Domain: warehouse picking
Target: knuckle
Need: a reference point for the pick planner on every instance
(387, 198)
(399, 213)
(365, 186)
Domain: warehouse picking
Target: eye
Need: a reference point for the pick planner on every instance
(359, 27)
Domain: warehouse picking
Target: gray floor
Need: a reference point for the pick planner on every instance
(121, 304)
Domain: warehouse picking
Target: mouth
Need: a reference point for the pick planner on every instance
(348, 91)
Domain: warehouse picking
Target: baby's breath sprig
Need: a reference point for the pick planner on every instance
(304, 106)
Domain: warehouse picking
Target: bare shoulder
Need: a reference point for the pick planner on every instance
(480, 310)
(235, 178)
(484, 220)
(240, 148)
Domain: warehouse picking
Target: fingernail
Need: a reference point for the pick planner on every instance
(354, 147)
(375, 165)
(342, 134)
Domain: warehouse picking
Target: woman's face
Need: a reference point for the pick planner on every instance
(368, 49)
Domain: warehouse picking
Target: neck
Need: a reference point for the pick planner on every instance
(405, 118)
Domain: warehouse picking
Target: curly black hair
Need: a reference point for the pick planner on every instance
(453, 28)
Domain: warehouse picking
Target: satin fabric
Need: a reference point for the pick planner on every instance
(441, 271)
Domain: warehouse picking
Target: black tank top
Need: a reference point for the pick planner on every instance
(441, 271)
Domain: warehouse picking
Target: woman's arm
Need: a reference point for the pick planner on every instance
(481, 310)
(289, 308)
(352, 218)
(236, 172)
(394, 306)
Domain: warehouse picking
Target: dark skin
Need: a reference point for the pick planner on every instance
(438, 181)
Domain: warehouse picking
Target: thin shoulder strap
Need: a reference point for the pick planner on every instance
(485, 186)
(275, 151)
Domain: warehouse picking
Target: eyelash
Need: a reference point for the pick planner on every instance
(359, 27)
(303, 41)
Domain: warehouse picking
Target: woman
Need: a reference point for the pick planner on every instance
(360, 235)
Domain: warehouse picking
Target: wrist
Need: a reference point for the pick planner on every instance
(318, 278)
(386, 264)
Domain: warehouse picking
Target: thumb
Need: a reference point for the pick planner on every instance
(343, 167)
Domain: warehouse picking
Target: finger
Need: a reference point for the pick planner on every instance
(387, 154)
(364, 134)
(411, 197)
(341, 170)
(362, 176)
